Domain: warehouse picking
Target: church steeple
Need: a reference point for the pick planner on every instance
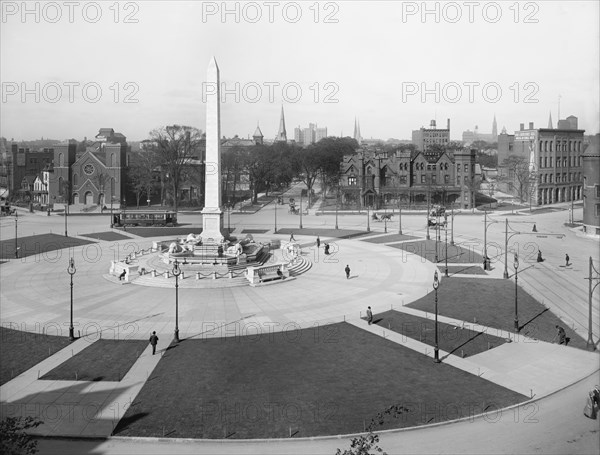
(550, 121)
(494, 130)
(281, 134)
(357, 131)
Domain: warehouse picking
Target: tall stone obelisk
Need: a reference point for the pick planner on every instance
(212, 215)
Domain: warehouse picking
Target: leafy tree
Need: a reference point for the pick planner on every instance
(175, 146)
(14, 439)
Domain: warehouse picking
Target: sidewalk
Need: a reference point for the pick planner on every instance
(76, 408)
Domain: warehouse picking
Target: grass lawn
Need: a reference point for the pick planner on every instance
(38, 244)
(330, 380)
(492, 303)
(152, 231)
(337, 233)
(426, 249)
(106, 236)
(389, 238)
(457, 341)
(20, 351)
(467, 269)
(104, 360)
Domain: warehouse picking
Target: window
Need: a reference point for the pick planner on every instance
(75, 179)
(550, 161)
(433, 178)
(352, 181)
(458, 168)
(557, 178)
(61, 159)
(541, 162)
(446, 179)
(403, 179)
(597, 210)
(546, 162)
(597, 187)
(422, 178)
(466, 167)
(458, 180)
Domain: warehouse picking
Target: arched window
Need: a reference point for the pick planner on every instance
(60, 186)
(113, 159)
(61, 159)
(75, 179)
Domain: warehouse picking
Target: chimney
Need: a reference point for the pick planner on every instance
(432, 124)
(448, 125)
(522, 126)
(530, 125)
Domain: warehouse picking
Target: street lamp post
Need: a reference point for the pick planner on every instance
(66, 216)
(300, 210)
(368, 220)
(452, 231)
(16, 230)
(176, 273)
(399, 220)
(516, 265)
(590, 340)
(385, 223)
(71, 271)
(337, 202)
(428, 237)
(436, 350)
(446, 242)
(275, 217)
(437, 231)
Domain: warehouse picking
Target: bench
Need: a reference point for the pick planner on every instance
(264, 273)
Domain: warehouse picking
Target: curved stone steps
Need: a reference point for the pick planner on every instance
(301, 266)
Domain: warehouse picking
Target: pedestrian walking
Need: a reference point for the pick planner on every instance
(153, 342)
(347, 269)
(534, 228)
(369, 315)
(292, 239)
(318, 242)
(326, 248)
(567, 260)
(539, 256)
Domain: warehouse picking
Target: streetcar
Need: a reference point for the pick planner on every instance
(148, 218)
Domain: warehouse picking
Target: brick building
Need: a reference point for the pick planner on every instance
(591, 187)
(408, 177)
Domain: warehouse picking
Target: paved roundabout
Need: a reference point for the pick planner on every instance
(35, 293)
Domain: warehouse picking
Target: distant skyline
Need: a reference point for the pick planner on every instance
(372, 64)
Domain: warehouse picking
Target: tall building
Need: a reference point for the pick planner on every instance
(423, 138)
(554, 159)
(591, 187)
(281, 134)
(320, 133)
(310, 135)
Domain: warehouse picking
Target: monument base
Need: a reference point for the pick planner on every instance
(212, 230)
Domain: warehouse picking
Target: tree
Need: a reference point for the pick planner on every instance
(175, 146)
(14, 439)
(520, 176)
(142, 174)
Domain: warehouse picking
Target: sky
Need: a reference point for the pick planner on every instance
(68, 69)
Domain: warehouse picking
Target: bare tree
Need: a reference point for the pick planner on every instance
(520, 176)
(175, 146)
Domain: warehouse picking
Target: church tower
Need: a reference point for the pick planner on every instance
(281, 134)
(494, 130)
(258, 136)
(550, 121)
